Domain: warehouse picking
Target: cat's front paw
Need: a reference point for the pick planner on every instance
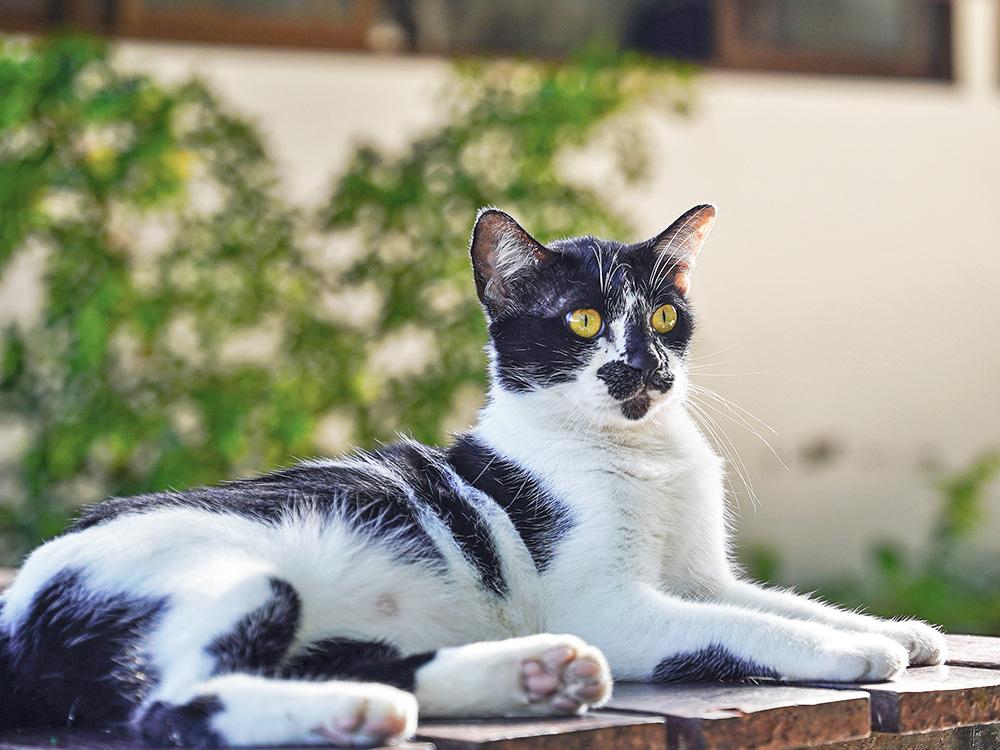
(859, 657)
(924, 644)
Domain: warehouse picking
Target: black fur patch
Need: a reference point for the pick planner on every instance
(711, 664)
(260, 640)
(188, 725)
(623, 381)
(350, 488)
(371, 661)
(435, 483)
(636, 408)
(540, 519)
(79, 656)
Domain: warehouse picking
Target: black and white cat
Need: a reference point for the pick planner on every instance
(323, 603)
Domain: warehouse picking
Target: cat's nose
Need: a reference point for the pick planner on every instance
(644, 361)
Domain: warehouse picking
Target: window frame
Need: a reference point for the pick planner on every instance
(735, 51)
(731, 49)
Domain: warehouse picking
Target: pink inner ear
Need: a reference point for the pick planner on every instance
(682, 282)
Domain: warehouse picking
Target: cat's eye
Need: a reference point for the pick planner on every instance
(664, 318)
(585, 322)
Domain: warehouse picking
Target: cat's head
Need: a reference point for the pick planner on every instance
(598, 328)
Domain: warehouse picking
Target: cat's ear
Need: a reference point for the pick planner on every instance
(503, 254)
(677, 246)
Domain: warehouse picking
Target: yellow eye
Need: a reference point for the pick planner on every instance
(585, 323)
(664, 318)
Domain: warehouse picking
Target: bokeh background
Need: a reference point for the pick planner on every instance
(233, 233)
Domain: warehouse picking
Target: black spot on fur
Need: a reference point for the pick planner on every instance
(188, 725)
(636, 408)
(79, 657)
(260, 640)
(370, 661)
(622, 381)
(540, 519)
(437, 485)
(711, 664)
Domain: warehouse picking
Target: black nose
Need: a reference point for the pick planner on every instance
(644, 361)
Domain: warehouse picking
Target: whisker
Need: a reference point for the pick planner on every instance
(737, 407)
(713, 354)
(711, 427)
(734, 417)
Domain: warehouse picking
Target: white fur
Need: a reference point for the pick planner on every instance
(262, 712)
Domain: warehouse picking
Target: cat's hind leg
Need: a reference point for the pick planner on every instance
(538, 675)
(535, 675)
(228, 685)
(244, 710)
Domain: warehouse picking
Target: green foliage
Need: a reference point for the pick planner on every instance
(194, 326)
(948, 583)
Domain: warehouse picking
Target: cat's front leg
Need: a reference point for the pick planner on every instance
(647, 635)
(924, 645)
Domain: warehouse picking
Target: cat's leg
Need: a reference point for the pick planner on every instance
(535, 675)
(648, 635)
(923, 643)
(236, 710)
(221, 660)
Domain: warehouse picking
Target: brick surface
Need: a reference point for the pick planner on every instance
(42, 739)
(929, 698)
(595, 731)
(974, 651)
(770, 717)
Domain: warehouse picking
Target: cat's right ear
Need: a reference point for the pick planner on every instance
(502, 255)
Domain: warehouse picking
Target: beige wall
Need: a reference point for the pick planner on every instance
(854, 269)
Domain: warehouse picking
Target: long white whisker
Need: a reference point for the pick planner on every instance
(735, 417)
(712, 428)
(738, 465)
(737, 407)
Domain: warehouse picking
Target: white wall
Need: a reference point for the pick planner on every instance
(854, 266)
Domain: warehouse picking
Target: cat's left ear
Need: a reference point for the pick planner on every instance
(680, 243)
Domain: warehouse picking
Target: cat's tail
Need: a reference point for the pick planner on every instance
(7, 677)
(18, 708)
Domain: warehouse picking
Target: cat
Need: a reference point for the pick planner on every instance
(321, 604)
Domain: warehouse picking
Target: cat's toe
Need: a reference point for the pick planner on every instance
(925, 645)
(884, 658)
(854, 658)
(567, 678)
(387, 715)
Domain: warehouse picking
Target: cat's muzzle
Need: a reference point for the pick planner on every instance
(626, 383)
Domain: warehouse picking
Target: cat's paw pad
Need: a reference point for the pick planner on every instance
(566, 678)
(924, 644)
(386, 715)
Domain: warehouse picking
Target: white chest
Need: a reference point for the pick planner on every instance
(643, 508)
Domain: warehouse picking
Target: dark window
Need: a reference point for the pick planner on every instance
(855, 37)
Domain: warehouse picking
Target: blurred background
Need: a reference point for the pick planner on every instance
(233, 233)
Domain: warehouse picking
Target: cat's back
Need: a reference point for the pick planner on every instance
(405, 511)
